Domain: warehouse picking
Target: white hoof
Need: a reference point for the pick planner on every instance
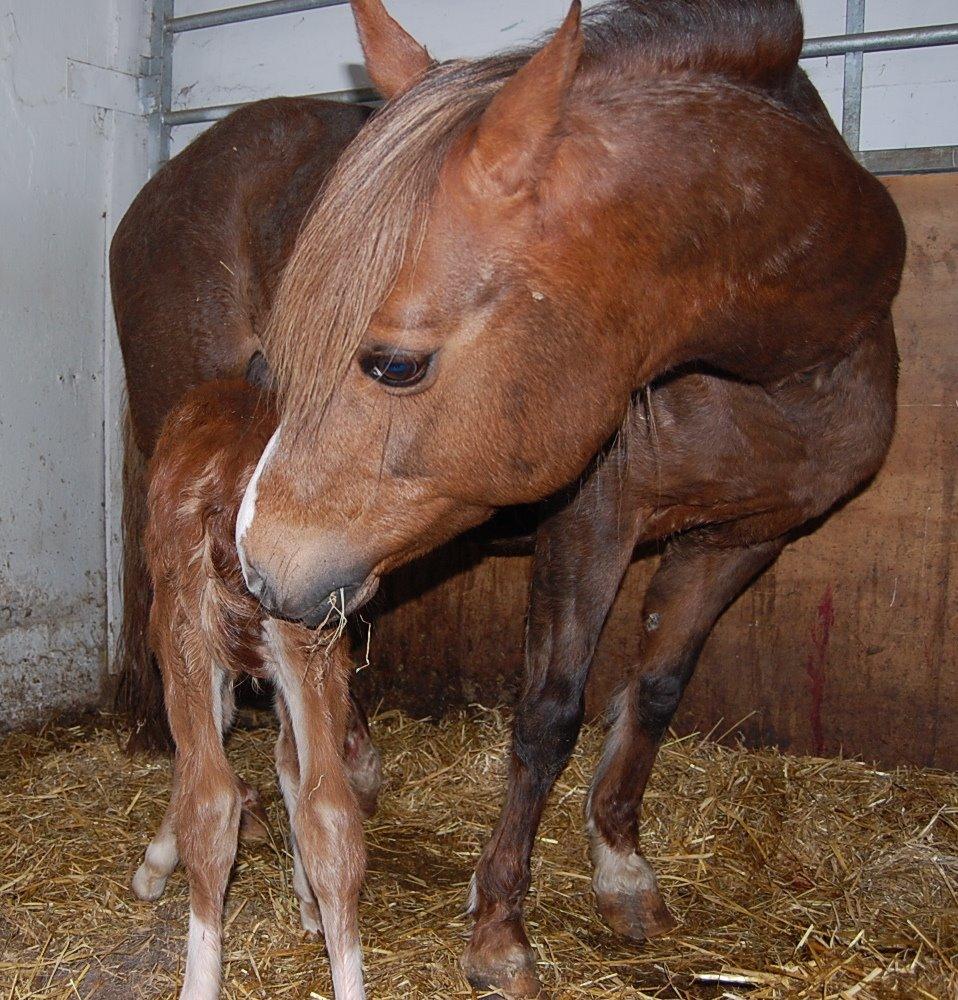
(148, 884)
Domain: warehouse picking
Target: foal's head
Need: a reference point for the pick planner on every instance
(448, 337)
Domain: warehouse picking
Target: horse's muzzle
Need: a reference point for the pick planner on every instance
(321, 607)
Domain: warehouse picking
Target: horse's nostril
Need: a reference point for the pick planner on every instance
(254, 581)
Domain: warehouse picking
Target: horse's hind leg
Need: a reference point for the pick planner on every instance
(581, 554)
(689, 591)
(161, 855)
(287, 769)
(363, 762)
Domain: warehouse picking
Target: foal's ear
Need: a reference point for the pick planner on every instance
(517, 134)
(394, 59)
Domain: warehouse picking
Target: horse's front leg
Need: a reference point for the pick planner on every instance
(326, 819)
(287, 769)
(581, 555)
(206, 815)
(691, 588)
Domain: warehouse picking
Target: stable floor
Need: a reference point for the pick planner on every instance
(792, 877)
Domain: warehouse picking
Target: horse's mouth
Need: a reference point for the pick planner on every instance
(356, 597)
(329, 614)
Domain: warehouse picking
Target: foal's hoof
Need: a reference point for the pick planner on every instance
(147, 884)
(510, 972)
(254, 825)
(627, 895)
(310, 918)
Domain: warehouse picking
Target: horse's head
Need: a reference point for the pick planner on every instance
(444, 335)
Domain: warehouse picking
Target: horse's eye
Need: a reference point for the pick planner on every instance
(396, 369)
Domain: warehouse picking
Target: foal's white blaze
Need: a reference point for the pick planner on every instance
(247, 509)
(202, 981)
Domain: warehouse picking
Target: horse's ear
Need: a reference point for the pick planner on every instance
(516, 136)
(394, 59)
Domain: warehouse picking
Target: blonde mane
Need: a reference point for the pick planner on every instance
(360, 230)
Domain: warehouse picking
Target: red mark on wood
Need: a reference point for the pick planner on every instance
(815, 666)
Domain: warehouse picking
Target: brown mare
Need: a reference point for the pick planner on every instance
(206, 630)
(636, 270)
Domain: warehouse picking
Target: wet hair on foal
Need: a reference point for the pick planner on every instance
(208, 631)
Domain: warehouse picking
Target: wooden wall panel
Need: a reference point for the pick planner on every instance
(848, 644)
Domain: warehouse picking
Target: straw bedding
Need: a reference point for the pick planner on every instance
(792, 877)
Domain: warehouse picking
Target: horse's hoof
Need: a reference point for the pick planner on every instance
(508, 974)
(148, 885)
(627, 895)
(254, 824)
(637, 917)
(311, 920)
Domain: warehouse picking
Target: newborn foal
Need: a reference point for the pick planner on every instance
(207, 630)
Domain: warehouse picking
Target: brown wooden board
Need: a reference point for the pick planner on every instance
(847, 645)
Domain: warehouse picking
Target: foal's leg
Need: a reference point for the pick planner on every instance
(327, 823)
(287, 768)
(363, 762)
(207, 813)
(581, 555)
(161, 855)
(691, 588)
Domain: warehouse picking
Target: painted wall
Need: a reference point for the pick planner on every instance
(910, 98)
(66, 169)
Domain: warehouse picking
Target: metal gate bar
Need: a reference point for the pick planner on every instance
(851, 45)
(881, 41)
(247, 12)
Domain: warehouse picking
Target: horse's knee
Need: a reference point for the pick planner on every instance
(329, 834)
(545, 733)
(657, 699)
(207, 825)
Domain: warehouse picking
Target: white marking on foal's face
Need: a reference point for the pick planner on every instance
(247, 509)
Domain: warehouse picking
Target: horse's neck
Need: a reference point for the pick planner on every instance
(751, 239)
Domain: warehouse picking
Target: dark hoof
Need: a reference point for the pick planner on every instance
(254, 826)
(504, 968)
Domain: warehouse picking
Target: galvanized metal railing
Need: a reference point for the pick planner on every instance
(852, 45)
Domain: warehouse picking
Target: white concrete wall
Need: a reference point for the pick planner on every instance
(67, 169)
(910, 98)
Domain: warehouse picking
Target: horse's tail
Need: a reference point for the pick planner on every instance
(139, 690)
